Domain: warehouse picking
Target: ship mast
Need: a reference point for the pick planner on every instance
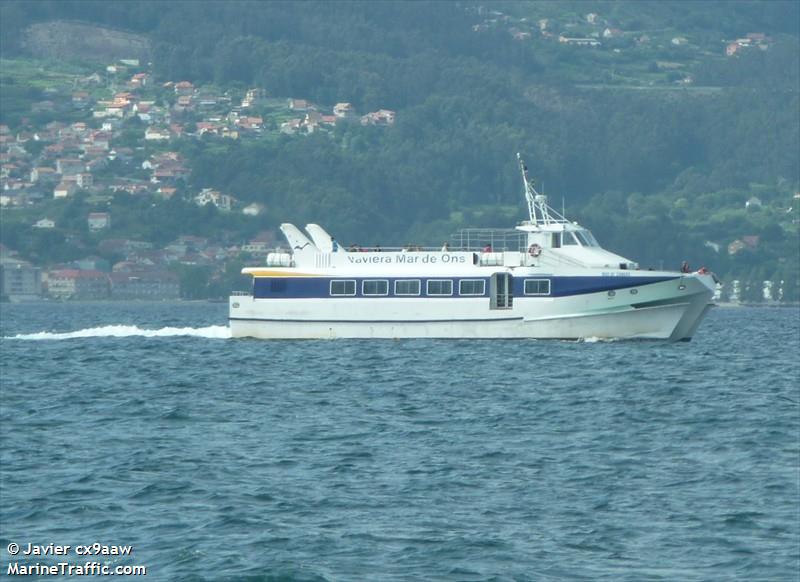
(539, 212)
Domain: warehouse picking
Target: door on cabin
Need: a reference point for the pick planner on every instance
(501, 288)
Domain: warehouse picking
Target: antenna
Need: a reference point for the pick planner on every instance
(529, 191)
(538, 210)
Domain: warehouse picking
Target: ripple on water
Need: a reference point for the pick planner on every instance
(459, 460)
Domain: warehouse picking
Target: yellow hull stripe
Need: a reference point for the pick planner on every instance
(271, 273)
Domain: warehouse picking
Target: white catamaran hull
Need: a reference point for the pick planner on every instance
(663, 312)
(547, 278)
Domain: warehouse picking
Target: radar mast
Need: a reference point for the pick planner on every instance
(539, 211)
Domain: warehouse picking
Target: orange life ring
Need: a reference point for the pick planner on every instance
(535, 250)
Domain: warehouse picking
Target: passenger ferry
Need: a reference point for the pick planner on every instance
(545, 278)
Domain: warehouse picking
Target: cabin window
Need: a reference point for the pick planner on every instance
(471, 287)
(343, 287)
(568, 240)
(586, 239)
(407, 287)
(440, 287)
(556, 241)
(537, 286)
(375, 287)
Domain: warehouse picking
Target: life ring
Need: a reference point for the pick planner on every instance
(535, 250)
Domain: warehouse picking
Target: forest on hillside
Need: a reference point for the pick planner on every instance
(657, 172)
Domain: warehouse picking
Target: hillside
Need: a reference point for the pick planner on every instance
(672, 133)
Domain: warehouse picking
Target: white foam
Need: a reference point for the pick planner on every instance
(213, 332)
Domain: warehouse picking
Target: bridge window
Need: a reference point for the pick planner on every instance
(590, 239)
(407, 287)
(471, 287)
(585, 238)
(568, 240)
(341, 287)
(440, 287)
(537, 286)
(375, 287)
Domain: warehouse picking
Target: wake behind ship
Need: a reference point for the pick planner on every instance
(547, 278)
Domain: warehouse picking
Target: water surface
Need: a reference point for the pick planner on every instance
(230, 459)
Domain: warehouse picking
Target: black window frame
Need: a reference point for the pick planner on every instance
(461, 291)
(538, 281)
(428, 287)
(364, 290)
(345, 281)
(419, 287)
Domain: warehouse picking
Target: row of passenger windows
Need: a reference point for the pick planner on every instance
(378, 287)
(434, 287)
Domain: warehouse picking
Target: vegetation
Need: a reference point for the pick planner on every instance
(660, 168)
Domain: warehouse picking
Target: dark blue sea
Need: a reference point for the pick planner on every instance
(221, 459)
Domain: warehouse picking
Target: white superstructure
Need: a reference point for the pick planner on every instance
(546, 278)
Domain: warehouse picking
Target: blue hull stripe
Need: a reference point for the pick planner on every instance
(319, 287)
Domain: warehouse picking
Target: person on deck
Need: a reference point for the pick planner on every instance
(445, 247)
(334, 245)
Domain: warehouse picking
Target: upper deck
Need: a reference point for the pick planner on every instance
(546, 241)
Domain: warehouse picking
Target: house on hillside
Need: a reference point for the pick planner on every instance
(70, 166)
(218, 199)
(156, 134)
(184, 88)
(43, 174)
(291, 127)
(751, 40)
(65, 189)
(380, 117)
(252, 97)
(99, 221)
(139, 80)
(344, 110)
(81, 99)
(44, 223)
(250, 123)
(300, 105)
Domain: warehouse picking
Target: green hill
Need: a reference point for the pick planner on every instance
(650, 132)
